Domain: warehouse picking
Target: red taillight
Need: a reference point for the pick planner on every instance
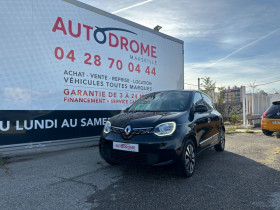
(264, 115)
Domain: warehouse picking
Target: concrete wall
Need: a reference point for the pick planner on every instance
(274, 97)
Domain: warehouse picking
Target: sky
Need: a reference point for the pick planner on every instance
(234, 42)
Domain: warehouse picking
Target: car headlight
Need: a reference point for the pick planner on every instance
(107, 127)
(165, 129)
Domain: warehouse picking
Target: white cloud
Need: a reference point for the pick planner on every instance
(235, 71)
(132, 6)
(211, 32)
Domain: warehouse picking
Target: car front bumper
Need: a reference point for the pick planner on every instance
(149, 154)
(152, 150)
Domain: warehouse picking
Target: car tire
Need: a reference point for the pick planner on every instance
(111, 163)
(222, 141)
(267, 132)
(187, 160)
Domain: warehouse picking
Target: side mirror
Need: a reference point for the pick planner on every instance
(201, 108)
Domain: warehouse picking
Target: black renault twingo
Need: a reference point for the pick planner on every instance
(163, 128)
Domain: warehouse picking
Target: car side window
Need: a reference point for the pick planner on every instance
(208, 102)
(198, 99)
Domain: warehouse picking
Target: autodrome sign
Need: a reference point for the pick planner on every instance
(66, 65)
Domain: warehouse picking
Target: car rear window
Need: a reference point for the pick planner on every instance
(273, 109)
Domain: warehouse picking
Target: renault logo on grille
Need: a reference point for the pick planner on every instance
(127, 130)
(278, 113)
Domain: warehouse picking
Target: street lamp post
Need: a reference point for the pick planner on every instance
(244, 106)
(253, 86)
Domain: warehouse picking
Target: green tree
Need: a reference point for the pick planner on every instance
(221, 96)
(208, 87)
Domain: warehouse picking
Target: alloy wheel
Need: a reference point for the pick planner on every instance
(222, 139)
(190, 159)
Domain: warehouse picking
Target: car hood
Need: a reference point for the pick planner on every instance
(144, 119)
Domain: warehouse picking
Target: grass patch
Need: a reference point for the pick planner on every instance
(227, 123)
(249, 131)
(3, 164)
(98, 162)
(230, 130)
(236, 130)
(277, 151)
(2, 161)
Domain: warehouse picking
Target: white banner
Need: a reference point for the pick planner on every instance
(58, 56)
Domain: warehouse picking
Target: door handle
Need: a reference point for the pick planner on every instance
(209, 120)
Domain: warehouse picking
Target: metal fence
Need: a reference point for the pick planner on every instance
(256, 104)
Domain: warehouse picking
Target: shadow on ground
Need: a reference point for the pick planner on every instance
(221, 181)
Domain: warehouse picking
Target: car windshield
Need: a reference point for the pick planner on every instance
(162, 102)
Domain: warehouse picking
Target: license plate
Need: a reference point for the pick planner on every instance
(126, 147)
(275, 122)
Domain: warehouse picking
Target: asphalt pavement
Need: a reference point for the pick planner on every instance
(245, 176)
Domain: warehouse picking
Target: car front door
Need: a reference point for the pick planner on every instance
(202, 127)
(213, 121)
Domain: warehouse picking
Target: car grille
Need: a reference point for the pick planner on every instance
(148, 154)
(135, 131)
(134, 157)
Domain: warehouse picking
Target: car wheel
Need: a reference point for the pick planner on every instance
(267, 132)
(187, 161)
(111, 163)
(222, 141)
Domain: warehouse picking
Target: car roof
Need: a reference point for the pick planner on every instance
(185, 90)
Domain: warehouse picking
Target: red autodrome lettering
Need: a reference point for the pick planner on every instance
(78, 34)
(125, 146)
(153, 52)
(88, 28)
(136, 44)
(114, 41)
(124, 43)
(145, 50)
(111, 37)
(59, 26)
(132, 45)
